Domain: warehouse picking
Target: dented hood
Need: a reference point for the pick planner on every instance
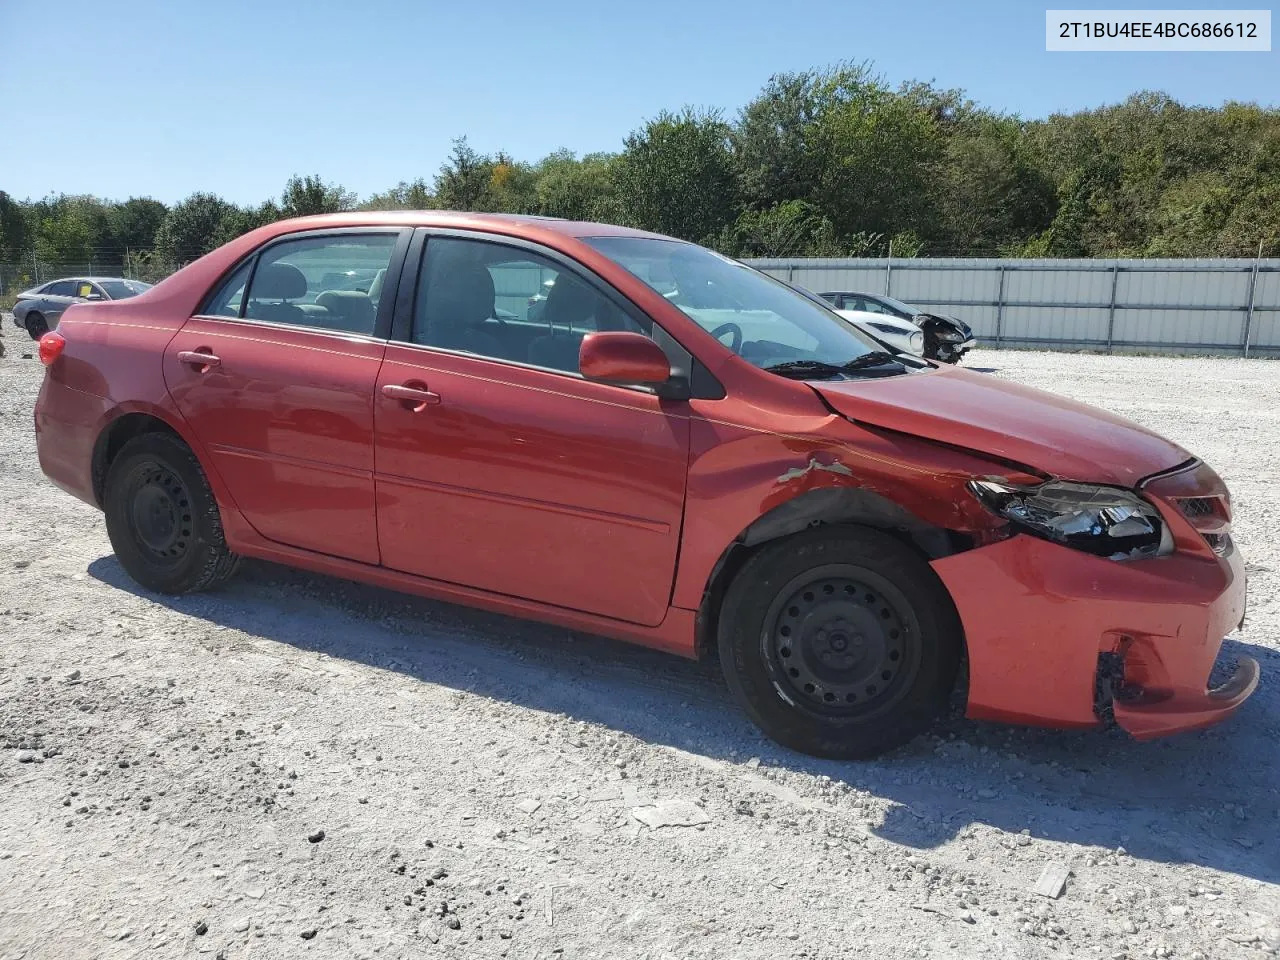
(997, 417)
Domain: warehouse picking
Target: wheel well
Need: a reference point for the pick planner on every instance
(833, 505)
(112, 440)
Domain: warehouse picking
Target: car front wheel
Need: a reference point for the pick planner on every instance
(840, 642)
(162, 518)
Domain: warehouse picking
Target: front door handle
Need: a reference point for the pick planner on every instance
(201, 359)
(413, 398)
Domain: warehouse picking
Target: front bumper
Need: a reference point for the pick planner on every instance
(1037, 616)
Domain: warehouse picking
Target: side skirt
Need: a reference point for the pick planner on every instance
(675, 634)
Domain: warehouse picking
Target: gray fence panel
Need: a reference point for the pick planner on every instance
(1266, 315)
(1155, 306)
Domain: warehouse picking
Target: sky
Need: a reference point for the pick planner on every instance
(164, 98)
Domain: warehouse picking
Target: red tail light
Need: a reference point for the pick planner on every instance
(51, 345)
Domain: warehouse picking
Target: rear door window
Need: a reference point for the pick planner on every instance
(62, 288)
(228, 299)
(323, 282)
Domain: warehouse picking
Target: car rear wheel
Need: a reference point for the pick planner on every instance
(36, 325)
(839, 642)
(162, 519)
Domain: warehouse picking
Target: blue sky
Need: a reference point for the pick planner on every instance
(165, 97)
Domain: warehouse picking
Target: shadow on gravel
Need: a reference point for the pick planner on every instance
(1211, 798)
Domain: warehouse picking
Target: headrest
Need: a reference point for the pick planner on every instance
(459, 294)
(278, 281)
(570, 302)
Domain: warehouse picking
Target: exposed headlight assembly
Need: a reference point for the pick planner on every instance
(1105, 521)
(916, 341)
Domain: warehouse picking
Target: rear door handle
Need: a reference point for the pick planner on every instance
(199, 358)
(414, 398)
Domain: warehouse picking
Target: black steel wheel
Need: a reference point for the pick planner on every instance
(162, 519)
(839, 642)
(36, 325)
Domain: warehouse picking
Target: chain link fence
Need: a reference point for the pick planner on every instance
(19, 275)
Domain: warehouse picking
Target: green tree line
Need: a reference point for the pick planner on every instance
(830, 162)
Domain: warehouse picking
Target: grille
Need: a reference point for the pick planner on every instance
(1211, 517)
(1195, 507)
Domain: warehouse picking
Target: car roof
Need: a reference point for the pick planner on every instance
(504, 222)
(80, 277)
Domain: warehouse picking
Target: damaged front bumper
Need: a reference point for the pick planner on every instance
(1038, 618)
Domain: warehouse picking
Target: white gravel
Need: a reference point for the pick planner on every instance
(165, 763)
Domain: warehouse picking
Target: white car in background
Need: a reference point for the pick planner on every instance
(903, 334)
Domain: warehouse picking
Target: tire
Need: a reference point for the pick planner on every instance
(840, 642)
(36, 325)
(162, 518)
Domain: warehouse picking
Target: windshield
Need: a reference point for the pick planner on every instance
(906, 309)
(123, 289)
(766, 322)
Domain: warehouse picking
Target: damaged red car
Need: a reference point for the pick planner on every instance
(674, 449)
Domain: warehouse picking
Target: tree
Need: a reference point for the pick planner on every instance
(191, 228)
(575, 189)
(238, 221)
(990, 191)
(133, 224)
(306, 196)
(675, 176)
(775, 146)
(878, 152)
(15, 229)
(403, 196)
(791, 229)
(463, 180)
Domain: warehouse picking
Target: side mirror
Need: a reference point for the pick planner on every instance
(95, 296)
(619, 357)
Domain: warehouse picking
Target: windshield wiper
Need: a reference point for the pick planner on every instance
(876, 358)
(810, 369)
(804, 369)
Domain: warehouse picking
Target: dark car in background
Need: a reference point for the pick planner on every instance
(38, 309)
(946, 338)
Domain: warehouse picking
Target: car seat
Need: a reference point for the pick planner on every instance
(460, 297)
(277, 283)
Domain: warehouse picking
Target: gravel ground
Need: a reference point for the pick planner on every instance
(296, 765)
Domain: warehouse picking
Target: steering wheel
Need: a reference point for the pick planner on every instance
(732, 328)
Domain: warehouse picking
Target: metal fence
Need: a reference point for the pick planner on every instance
(1227, 307)
(1133, 306)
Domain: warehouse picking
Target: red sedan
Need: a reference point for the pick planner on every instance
(675, 450)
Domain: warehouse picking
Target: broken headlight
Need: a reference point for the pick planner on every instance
(1105, 521)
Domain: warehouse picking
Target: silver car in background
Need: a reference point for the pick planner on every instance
(37, 310)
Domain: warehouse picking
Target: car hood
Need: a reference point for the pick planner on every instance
(906, 327)
(1002, 419)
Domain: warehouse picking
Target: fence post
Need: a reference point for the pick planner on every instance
(1000, 308)
(1248, 317)
(888, 269)
(1111, 314)
(791, 273)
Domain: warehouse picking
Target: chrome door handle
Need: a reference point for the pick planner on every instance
(414, 398)
(199, 358)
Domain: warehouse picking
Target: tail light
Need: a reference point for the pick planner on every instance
(51, 347)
